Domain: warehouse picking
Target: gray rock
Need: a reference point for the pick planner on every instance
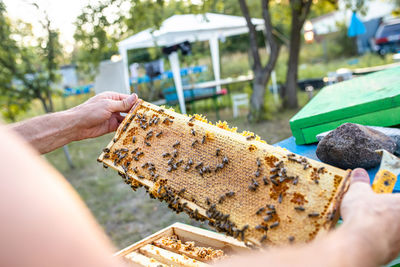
(353, 145)
(393, 133)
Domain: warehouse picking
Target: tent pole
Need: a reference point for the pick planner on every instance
(274, 86)
(176, 72)
(214, 47)
(124, 56)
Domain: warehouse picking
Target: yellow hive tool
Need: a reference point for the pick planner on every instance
(386, 177)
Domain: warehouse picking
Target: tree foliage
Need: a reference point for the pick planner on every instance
(98, 29)
(96, 40)
(28, 65)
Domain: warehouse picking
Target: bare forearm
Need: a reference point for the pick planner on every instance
(343, 247)
(49, 131)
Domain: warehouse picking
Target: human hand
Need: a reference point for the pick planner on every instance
(373, 217)
(101, 114)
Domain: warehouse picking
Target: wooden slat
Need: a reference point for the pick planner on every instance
(163, 232)
(207, 238)
(170, 258)
(143, 260)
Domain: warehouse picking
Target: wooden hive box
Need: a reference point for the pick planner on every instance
(147, 252)
(373, 100)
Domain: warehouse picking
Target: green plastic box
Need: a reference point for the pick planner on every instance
(372, 99)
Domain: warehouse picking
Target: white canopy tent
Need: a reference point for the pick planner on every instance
(190, 27)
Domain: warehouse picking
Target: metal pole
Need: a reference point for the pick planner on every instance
(69, 160)
(214, 47)
(176, 72)
(274, 86)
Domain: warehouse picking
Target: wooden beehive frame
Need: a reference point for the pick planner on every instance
(141, 252)
(302, 180)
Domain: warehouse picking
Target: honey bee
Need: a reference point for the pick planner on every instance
(260, 210)
(270, 212)
(194, 143)
(230, 194)
(263, 238)
(182, 191)
(159, 133)
(275, 224)
(176, 144)
(248, 138)
(313, 214)
(299, 208)
(280, 198)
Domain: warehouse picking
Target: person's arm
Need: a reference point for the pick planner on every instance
(97, 116)
(369, 236)
(44, 223)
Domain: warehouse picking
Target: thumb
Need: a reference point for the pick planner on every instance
(123, 105)
(358, 190)
(359, 180)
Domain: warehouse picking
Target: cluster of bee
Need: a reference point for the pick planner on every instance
(225, 196)
(302, 160)
(222, 223)
(270, 220)
(167, 194)
(199, 167)
(121, 154)
(278, 175)
(254, 184)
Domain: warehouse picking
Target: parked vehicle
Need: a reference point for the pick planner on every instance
(387, 37)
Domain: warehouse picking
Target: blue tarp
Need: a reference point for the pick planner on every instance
(356, 26)
(169, 75)
(85, 89)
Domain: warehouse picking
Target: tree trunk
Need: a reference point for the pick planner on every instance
(50, 101)
(44, 104)
(300, 10)
(262, 73)
(290, 96)
(257, 97)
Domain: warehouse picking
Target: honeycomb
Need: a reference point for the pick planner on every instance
(235, 182)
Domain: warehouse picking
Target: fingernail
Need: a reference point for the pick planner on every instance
(359, 175)
(132, 98)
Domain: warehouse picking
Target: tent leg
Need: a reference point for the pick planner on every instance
(68, 157)
(274, 86)
(174, 61)
(214, 47)
(124, 55)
